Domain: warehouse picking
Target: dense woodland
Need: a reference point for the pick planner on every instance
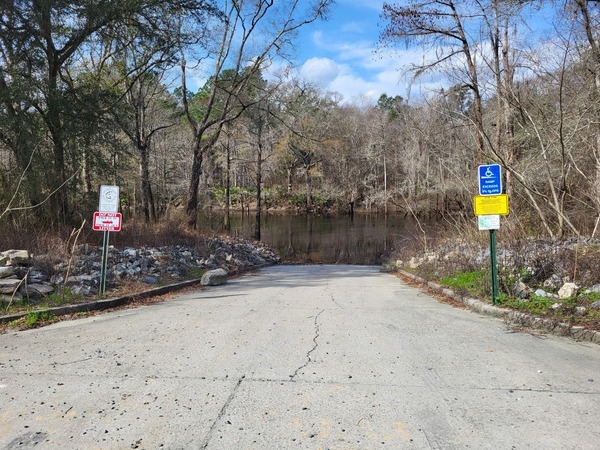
(96, 92)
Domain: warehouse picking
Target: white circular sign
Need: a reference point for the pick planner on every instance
(109, 199)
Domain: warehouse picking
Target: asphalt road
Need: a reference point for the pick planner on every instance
(307, 357)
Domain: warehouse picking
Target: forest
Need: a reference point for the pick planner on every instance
(96, 92)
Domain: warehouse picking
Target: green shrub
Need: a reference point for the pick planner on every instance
(298, 200)
(36, 318)
(318, 201)
(218, 195)
(534, 305)
(475, 283)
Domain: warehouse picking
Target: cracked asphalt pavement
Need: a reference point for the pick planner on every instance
(307, 357)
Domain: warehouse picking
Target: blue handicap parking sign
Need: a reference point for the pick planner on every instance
(490, 179)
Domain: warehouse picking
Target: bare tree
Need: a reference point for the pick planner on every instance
(442, 26)
(308, 128)
(247, 35)
(586, 14)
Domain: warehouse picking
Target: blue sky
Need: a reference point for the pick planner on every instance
(340, 54)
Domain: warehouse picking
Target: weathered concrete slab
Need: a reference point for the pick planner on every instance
(297, 357)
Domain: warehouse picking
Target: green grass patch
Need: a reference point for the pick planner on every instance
(535, 305)
(592, 296)
(474, 283)
(38, 318)
(195, 273)
(64, 297)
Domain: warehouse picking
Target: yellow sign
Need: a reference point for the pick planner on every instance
(487, 205)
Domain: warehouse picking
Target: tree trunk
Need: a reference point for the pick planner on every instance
(191, 209)
(56, 131)
(226, 221)
(595, 53)
(289, 179)
(385, 193)
(258, 191)
(308, 181)
(508, 122)
(146, 188)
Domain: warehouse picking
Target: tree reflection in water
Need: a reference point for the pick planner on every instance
(307, 239)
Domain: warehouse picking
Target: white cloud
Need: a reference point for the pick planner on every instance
(344, 57)
(317, 39)
(320, 70)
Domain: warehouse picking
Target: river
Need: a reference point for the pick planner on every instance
(307, 239)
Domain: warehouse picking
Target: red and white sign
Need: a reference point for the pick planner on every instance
(106, 221)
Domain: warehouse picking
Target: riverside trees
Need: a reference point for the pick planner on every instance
(55, 58)
(247, 35)
(91, 97)
(479, 45)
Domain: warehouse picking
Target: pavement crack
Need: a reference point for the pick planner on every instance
(335, 301)
(222, 412)
(331, 295)
(70, 362)
(315, 345)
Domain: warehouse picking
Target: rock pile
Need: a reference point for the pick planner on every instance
(23, 275)
(539, 263)
(19, 278)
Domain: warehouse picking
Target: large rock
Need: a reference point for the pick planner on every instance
(17, 257)
(521, 290)
(214, 278)
(83, 290)
(37, 290)
(6, 271)
(9, 285)
(568, 290)
(553, 282)
(149, 279)
(414, 262)
(595, 288)
(8, 299)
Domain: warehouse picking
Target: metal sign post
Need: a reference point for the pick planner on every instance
(102, 287)
(489, 205)
(494, 267)
(106, 219)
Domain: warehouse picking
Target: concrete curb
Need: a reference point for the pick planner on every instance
(513, 317)
(99, 305)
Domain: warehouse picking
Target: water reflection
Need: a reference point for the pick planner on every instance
(364, 239)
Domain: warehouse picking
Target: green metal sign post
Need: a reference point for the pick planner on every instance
(106, 219)
(494, 267)
(488, 206)
(103, 269)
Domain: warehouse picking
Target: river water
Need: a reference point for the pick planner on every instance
(363, 239)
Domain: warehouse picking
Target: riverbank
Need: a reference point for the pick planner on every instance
(555, 282)
(59, 284)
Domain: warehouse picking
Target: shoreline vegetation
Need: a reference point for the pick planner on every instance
(552, 279)
(72, 122)
(555, 279)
